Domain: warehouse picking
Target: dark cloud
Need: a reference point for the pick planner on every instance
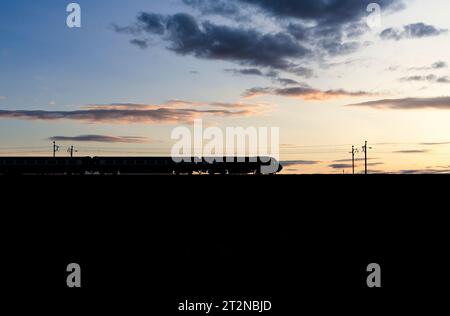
(305, 93)
(143, 44)
(441, 103)
(217, 7)
(425, 171)
(414, 151)
(416, 30)
(417, 78)
(151, 23)
(327, 39)
(439, 65)
(435, 66)
(349, 165)
(435, 144)
(287, 81)
(115, 116)
(302, 71)
(339, 48)
(206, 40)
(444, 79)
(247, 71)
(274, 75)
(356, 159)
(326, 25)
(100, 139)
(288, 163)
(340, 166)
(145, 23)
(174, 111)
(308, 30)
(325, 12)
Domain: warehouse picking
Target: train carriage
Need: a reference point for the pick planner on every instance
(137, 165)
(44, 165)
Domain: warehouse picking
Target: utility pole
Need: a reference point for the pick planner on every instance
(55, 149)
(353, 152)
(71, 150)
(365, 149)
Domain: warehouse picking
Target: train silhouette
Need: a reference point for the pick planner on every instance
(137, 165)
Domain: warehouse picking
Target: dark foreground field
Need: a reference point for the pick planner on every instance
(152, 242)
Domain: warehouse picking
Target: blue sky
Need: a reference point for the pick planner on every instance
(46, 66)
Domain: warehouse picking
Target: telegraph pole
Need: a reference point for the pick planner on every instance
(354, 152)
(353, 159)
(71, 150)
(55, 149)
(365, 149)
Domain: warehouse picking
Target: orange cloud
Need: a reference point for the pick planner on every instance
(175, 111)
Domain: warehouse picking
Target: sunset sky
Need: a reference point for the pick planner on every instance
(136, 69)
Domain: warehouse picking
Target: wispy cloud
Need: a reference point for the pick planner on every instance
(441, 103)
(415, 30)
(356, 159)
(439, 65)
(273, 75)
(174, 111)
(428, 78)
(349, 165)
(413, 151)
(436, 65)
(288, 163)
(340, 166)
(305, 93)
(182, 105)
(101, 139)
(435, 144)
(245, 71)
(425, 171)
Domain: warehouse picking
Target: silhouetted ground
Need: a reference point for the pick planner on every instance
(158, 239)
